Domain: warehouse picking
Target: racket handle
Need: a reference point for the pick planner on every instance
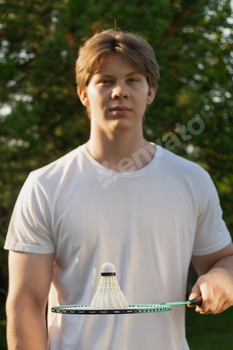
(196, 301)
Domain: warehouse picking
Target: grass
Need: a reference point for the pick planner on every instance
(210, 332)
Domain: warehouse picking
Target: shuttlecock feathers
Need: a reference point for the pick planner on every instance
(109, 294)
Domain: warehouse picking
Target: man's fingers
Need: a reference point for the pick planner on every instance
(195, 293)
(208, 300)
(216, 289)
(209, 303)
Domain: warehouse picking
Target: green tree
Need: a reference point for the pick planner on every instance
(39, 45)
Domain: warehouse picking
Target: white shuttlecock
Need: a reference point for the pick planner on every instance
(109, 294)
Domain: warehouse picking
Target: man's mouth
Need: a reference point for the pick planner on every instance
(120, 109)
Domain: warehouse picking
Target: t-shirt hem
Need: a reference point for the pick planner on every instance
(214, 248)
(28, 248)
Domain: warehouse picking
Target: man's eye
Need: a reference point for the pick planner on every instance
(105, 82)
(133, 80)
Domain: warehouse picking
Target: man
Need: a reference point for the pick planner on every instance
(160, 212)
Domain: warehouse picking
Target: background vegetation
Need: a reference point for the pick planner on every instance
(41, 117)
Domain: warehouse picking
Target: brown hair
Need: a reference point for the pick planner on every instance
(129, 45)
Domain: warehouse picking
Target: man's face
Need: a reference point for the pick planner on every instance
(117, 95)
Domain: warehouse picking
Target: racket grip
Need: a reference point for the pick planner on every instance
(196, 301)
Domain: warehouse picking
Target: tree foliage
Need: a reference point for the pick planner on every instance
(39, 41)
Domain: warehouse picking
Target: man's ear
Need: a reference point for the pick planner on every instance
(83, 97)
(151, 94)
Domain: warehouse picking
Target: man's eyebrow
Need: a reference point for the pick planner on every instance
(133, 72)
(105, 74)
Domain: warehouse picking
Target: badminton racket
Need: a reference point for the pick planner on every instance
(133, 309)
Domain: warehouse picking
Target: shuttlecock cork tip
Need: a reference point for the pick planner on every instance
(108, 269)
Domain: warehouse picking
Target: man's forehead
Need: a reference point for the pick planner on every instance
(108, 65)
(110, 73)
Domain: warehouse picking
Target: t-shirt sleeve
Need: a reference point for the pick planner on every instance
(211, 231)
(30, 224)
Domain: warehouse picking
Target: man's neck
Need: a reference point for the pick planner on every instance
(123, 153)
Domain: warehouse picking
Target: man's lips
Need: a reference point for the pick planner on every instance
(120, 110)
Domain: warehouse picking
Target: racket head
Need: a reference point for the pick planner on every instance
(133, 309)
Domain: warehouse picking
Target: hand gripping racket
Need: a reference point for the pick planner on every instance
(133, 309)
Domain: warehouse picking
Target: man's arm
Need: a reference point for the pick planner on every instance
(29, 282)
(215, 282)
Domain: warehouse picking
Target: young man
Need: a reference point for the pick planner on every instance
(159, 213)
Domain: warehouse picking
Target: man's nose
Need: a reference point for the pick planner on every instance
(120, 92)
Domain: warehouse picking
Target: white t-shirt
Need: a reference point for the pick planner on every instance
(148, 223)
